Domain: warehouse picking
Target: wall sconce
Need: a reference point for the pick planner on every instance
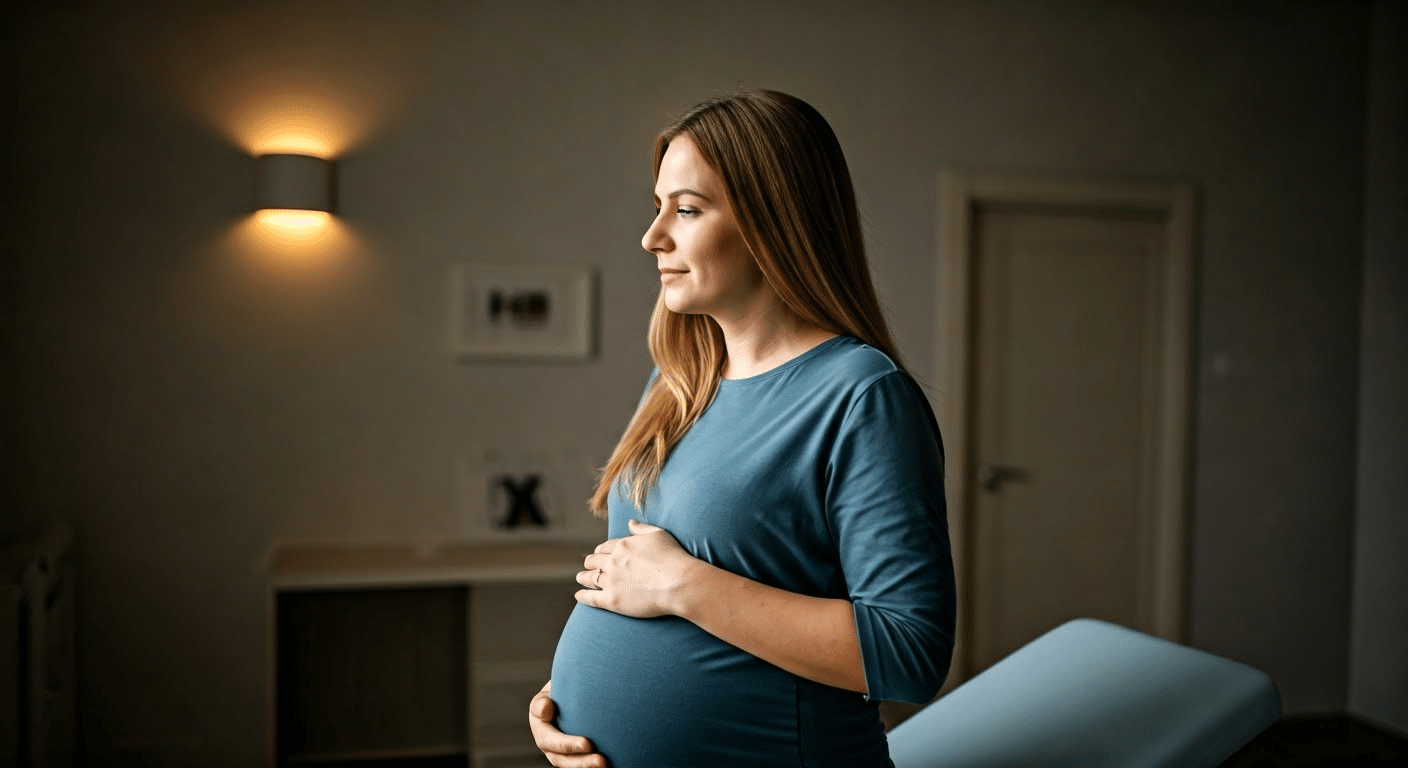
(294, 182)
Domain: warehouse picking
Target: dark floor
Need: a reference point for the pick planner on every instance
(1340, 742)
(1296, 742)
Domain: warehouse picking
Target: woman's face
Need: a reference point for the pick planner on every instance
(705, 267)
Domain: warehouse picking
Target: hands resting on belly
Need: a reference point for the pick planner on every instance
(640, 575)
(560, 749)
(649, 574)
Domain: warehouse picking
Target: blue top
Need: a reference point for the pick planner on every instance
(822, 476)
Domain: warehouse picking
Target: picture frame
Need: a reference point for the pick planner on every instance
(521, 311)
(525, 495)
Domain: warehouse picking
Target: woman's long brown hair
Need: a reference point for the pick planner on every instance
(787, 182)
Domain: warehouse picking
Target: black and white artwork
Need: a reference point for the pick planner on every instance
(506, 311)
(506, 494)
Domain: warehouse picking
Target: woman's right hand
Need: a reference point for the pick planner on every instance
(561, 750)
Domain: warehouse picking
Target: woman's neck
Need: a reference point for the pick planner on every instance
(760, 341)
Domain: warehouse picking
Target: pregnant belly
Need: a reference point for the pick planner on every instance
(662, 693)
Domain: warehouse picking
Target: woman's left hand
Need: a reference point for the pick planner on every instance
(640, 575)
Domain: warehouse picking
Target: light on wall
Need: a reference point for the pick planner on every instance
(295, 196)
(294, 183)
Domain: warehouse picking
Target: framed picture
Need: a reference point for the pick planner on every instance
(525, 495)
(508, 311)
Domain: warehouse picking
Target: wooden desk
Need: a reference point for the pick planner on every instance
(413, 653)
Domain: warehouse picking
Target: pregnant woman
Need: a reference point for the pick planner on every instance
(779, 558)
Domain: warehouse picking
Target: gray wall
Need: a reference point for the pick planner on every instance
(186, 407)
(1378, 672)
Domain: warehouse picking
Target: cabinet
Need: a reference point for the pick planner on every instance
(415, 656)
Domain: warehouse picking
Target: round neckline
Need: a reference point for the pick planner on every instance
(783, 367)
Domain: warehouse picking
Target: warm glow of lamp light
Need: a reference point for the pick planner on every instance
(292, 77)
(293, 122)
(293, 141)
(308, 118)
(294, 197)
(280, 241)
(292, 224)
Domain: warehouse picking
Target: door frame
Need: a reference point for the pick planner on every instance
(961, 193)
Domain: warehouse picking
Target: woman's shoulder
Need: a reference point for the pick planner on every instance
(879, 393)
(853, 363)
(856, 372)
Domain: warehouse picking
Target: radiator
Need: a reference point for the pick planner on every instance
(36, 648)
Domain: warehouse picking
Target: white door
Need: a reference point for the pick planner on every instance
(1070, 372)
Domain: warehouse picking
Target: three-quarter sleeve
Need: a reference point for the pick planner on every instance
(885, 507)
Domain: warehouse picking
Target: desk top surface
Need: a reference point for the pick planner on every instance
(331, 566)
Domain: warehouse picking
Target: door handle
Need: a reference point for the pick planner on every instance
(993, 476)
